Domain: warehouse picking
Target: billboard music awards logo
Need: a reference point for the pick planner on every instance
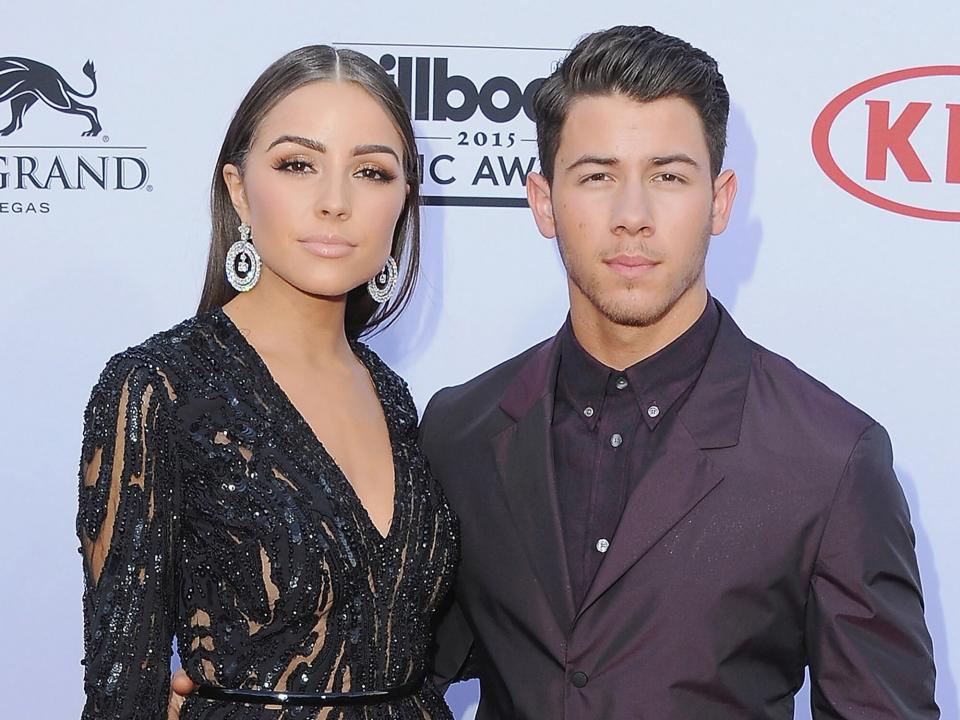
(894, 141)
(36, 172)
(472, 114)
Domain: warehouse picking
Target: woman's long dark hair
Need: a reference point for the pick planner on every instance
(293, 70)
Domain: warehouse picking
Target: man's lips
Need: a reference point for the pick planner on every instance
(631, 264)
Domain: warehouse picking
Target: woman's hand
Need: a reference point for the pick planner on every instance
(180, 686)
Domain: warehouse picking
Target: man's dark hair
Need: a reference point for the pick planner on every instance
(640, 63)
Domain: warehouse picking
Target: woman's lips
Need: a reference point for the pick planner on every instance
(328, 246)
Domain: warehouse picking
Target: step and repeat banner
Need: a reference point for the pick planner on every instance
(842, 253)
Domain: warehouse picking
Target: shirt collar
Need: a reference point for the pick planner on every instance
(657, 382)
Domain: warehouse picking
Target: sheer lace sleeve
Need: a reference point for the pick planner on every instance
(126, 521)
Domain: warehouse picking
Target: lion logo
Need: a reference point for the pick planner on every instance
(24, 81)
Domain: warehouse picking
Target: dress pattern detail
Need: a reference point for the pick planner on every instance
(210, 511)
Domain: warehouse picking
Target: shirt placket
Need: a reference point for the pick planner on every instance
(613, 441)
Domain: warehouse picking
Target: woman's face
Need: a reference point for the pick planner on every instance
(322, 188)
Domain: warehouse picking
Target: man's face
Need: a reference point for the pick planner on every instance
(633, 205)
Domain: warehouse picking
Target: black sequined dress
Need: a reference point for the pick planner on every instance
(210, 511)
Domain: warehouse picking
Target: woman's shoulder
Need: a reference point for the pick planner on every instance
(393, 389)
(169, 355)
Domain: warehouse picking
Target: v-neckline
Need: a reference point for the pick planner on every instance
(307, 429)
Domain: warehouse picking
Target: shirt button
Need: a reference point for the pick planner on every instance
(579, 679)
(621, 383)
(588, 411)
(602, 545)
(653, 411)
(616, 440)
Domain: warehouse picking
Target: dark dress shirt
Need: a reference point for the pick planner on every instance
(605, 429)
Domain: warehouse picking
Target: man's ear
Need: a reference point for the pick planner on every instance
(233, 179)
(541, 203)
(724, 191)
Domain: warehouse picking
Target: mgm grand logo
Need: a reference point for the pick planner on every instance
(29, 162)
(473, 116)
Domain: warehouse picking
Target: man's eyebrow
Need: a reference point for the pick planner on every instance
(674, 158)
(373, 149)
(299, 140)
(593, 160)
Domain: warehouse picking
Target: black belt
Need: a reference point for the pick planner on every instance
(311, 699)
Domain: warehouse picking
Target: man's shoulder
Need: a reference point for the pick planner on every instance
(481, 395)
(781, 387)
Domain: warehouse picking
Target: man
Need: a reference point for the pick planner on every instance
(660, 518)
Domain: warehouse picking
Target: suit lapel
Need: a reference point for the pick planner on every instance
(672, 485)
(682, 474)
(524, 457)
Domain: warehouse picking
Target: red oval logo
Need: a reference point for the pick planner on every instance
(886, 138)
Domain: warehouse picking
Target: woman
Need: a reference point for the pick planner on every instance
(250, 479)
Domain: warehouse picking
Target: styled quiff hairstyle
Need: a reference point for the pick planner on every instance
(316, 63)
(640, 63)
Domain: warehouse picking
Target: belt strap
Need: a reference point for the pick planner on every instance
(311, 699)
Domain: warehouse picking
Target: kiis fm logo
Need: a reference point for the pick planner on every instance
(910, 117)
(472, 114)
(36, 168)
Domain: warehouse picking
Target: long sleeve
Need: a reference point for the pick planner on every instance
(869, 650)
(452, 656)
(126, 525)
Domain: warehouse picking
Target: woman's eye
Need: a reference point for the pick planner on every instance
(375, 173)
(298, 167)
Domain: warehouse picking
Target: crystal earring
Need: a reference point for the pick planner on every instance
(243, 262)
(381, 286)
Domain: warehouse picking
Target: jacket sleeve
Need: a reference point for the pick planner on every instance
(869, 651)
(452, 657)
(451, 652)
(126, 525)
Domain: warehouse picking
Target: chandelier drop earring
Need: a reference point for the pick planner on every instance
(382, 285)
(243, 262)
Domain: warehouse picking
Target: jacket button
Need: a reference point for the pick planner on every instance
(579, 679)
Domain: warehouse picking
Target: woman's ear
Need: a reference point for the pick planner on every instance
(233, 179)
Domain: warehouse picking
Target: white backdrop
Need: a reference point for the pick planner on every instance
(859, 295)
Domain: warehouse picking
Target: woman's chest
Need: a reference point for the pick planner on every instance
(253, 475)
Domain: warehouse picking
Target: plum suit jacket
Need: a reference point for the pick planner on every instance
(770, 534)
